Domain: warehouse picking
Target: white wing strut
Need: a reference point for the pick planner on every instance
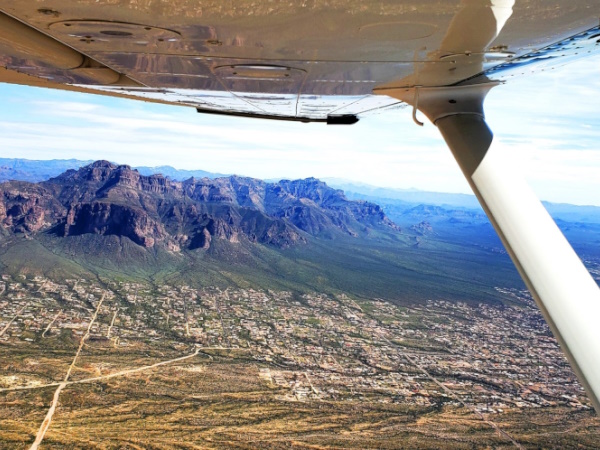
(564, 290)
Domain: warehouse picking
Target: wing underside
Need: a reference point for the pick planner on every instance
(307, 61)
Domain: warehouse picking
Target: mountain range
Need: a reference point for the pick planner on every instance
(302, 235)
(42, 170)
(105, 199)
(110, 221)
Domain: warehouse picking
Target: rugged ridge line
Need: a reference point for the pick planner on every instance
(105, 199)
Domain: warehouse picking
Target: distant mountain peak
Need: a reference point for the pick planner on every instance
(42, 170)
(103, 164)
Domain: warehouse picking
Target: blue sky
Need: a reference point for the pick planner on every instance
(548, 123)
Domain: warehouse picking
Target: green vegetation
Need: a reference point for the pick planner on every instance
(388, 268)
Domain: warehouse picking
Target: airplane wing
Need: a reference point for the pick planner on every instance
(334, 61)
(304, 60)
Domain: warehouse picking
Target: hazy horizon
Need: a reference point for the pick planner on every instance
(331, 181)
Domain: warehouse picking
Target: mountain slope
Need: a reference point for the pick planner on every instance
(111, 222)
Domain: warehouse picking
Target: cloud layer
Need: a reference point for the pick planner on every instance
(549, 124)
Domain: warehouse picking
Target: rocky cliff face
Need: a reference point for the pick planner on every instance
(28, 208)
(106, 199)
(105, 218)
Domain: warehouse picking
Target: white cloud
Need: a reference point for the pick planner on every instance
(548, 123)
(57, 107)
